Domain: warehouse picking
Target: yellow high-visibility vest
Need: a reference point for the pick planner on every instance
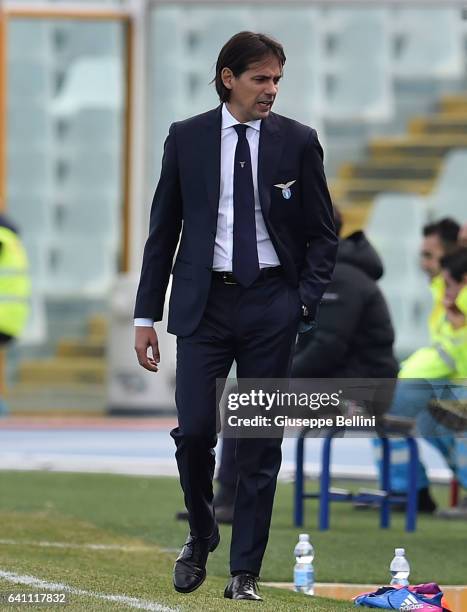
(437, 312)
(447, 356)
(15, 285)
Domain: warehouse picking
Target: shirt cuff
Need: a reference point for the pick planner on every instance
(144, 322)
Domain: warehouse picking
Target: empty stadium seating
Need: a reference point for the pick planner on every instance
(344, 68)
(448, 197)
(420, 54)
(394, 228)
(87, 264)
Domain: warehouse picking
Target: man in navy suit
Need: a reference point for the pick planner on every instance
(246, 190)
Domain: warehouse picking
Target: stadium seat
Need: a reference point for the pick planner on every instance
(420, 54)
(30, 172)
(29, 126)
(211, 27)
(362, 94)
(346, 26)
(37, 249)
(95, 129)
(394, 227)
(208, 29)
(91, 83)
(31, 212)
(36, 328)
(168, 50)
(400, 260)
(448, 198)
(94, 169)
(397, 218)
(357, 65)
(92, 38)
(97, 217)
(409, 305)
(299, 30)
(29, 79)
(30, 39)
(170, 82)
(82, 267)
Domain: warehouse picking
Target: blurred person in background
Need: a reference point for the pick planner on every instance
(440, 371)
(439, 239)
(463, 235)
(455, 301)
(15, 287)
(355, 336)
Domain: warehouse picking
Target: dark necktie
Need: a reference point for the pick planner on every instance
(245, 266)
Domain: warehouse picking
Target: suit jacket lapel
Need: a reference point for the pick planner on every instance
(210, 149)
(270, 149)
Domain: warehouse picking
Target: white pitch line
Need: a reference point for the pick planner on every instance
(45, 544)
(132, 602)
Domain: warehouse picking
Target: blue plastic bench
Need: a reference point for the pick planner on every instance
(383, 498)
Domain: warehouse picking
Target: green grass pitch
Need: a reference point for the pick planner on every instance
(135, 515)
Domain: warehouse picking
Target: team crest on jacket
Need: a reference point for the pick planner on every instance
(286, 193)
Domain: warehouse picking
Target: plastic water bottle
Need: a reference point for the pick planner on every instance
(400, 568)
(304, 575)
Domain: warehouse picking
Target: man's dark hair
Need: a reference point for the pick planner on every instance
(447, 230)
(242, 50)
(456, 264)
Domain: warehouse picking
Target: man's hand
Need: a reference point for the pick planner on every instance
(455, 316)
(146, 337)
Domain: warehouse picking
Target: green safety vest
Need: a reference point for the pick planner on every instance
(447, 356)
(15, 285)
(437, 314)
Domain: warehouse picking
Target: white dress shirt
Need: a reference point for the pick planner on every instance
(223, 246)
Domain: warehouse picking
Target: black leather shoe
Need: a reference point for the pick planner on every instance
(190, 566)
(243, 586)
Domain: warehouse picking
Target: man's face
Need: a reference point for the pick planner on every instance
(253, 92)
(463, 235)
(430, 253)
(452, 288)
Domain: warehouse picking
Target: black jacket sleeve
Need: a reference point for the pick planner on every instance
(164, 231)
(319, 225)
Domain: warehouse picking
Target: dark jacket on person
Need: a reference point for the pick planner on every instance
(354, 337)
(185, 210)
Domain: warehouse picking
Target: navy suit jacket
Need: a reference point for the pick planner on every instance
(187, 198)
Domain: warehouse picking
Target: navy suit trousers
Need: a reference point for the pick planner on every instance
(257, 327)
